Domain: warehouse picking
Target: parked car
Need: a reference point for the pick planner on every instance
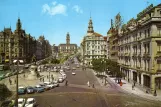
(8, 103)
(49, 84)
(31, 102)
(21, 102)
(21, 90)
(39, 89)
(55, 83)
(45, 86)
(73, 73)
(60, 80)
(77, 66)
(74, 68)
(30, 90)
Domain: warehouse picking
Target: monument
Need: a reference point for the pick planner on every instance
(34, 74)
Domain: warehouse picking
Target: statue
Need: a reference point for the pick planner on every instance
(34, 74)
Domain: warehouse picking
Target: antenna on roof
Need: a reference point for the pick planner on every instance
(90, 14)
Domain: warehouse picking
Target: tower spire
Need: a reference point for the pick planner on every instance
(68, 38)
(111, 23)
(18, 26)
(90, 26)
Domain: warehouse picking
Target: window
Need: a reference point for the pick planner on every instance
(148, 32)
(140, 34)
(159, 47)
(159, 64)
(159, 31)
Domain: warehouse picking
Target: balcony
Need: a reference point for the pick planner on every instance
(139, 55)
(134, 55)
(127, 54)
(138, 67)
(146, 55)
(158, 55)
(159, 71)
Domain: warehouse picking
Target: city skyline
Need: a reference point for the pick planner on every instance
(54, 18)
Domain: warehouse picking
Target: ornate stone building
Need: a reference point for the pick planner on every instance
(93, 45)
(140, 48)
(67, 48)
(19, 44)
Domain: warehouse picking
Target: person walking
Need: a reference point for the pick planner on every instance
(10, 81)
(66, 83)
(93, 85)
(88, 84)
(43, 79)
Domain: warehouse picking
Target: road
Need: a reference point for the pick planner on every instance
(77, 93)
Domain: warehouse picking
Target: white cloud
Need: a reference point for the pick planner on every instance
(54, 9)
(77, 9)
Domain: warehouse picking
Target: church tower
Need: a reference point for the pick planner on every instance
(68, 38)
(90, 26)
(18, 25)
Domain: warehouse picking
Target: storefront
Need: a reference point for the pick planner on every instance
(158, 83)
(146, 81)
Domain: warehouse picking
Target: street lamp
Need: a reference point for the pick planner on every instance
(17, 61)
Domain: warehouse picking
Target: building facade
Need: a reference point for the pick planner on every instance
(67, 48)
(55, 51)
(18, 44)
(93, 45)
(140, 49)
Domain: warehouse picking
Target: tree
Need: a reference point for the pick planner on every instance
(4, 92)
(98, 65)
(33, 59)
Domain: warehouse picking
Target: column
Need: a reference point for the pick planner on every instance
(137, 77)
(142, 79)
(152, 83)
(131, 75)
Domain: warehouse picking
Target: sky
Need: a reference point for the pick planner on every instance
(54, 18)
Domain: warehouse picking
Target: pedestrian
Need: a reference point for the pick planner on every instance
(66, 83)
(134, 83)
(132, 87)
(15, 81)
(43, 79)
(155, 93)
(24, 75)
(93, 85)
(47, 76)
(10, 81)
(88, 84)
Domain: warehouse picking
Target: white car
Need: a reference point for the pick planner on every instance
(61, 70)
(73, 73)
(60, 80)
(49, 84)
(31, 102)
(21, 102)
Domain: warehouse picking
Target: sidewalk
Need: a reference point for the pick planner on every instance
(128, 88)
(101, 82)
(23, 81)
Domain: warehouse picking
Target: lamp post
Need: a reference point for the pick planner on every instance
(17, 62)
(83, 52)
